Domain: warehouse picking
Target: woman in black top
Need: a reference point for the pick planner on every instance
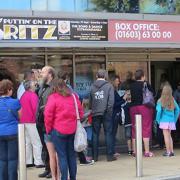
(137, 107)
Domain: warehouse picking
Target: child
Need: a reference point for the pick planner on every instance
(87, 124)
(167, 115)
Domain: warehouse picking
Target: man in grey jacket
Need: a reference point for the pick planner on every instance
(101, 102)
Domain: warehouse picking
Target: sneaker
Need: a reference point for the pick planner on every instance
(133, 154)
(30, 165)
(116, 155)
(148, 154)
(44, 174)
(130, 153)
(40, 166)
(111, 158)
(87, 163)
(172, 154)
(167, 154)
(49, 176)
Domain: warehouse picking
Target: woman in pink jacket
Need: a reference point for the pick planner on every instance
(29, 101)
(61, 123)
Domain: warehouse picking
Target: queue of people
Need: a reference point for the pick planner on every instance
(49, 113)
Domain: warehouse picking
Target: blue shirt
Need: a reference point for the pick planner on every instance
(165, 115)
(9, 108)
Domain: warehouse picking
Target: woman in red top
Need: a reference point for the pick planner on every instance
(61, 123)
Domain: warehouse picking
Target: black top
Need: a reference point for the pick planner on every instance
(137, 92)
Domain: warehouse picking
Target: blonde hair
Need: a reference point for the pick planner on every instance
(166, 98)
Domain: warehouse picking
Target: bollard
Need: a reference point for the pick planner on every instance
(22, 152)
(139, 166)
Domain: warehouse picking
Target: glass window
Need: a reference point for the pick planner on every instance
(39, 5)
(84, 5)
(63, 64)
(15, 4)
(86, 69)
(19, 64)
(61, 5)
(121, 68)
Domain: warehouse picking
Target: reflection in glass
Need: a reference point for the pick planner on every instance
(19, 64)
(39, 5)
(62, 64)
(125, 6)
(160, 6)
(86, 69)
(15, 4)
(61, 5)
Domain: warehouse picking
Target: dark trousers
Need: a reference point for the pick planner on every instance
(82, 157)
(45, 155)
(8, 157)
(116, 123)
(106, 120)
(64, 145)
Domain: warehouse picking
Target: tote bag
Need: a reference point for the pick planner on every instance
(80, 140)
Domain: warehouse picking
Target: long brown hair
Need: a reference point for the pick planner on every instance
(166, 98)
(59, 86)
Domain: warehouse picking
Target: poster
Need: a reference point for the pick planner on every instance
(143, 31)
(53, 29)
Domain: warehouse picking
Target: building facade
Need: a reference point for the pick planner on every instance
(81, 36)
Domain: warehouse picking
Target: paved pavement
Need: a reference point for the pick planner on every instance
(155, 168)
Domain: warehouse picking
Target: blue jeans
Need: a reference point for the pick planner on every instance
(106, 120)
(8, 157)
(64, 145)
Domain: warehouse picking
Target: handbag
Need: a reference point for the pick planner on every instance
(148, 98)
(80, 139)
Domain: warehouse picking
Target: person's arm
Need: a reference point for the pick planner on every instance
(49, 114)
(176, 111)
(110, 102)
(158, 112)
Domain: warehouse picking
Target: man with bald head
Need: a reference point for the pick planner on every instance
(48, 74)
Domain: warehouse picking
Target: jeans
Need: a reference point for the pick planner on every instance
(106, 120)
(8, 157)
(64, 145)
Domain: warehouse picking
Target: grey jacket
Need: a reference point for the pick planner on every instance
(101, 97)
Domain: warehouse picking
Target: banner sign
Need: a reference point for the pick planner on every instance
(53, 29)
(143, 31)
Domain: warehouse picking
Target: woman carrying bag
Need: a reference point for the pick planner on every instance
(61, 122)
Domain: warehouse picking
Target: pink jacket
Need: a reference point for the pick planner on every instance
(60, 114)
(29, 102)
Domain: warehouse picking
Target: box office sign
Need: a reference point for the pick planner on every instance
(143, 31)
(53, 29)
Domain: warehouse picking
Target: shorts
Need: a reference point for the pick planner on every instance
(128, 133)
(167, 125)
(47, 138)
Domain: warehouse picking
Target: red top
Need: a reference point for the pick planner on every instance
(29, 102)
(60, 113)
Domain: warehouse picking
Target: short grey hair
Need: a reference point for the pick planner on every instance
(102, 73)
(28, 85)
